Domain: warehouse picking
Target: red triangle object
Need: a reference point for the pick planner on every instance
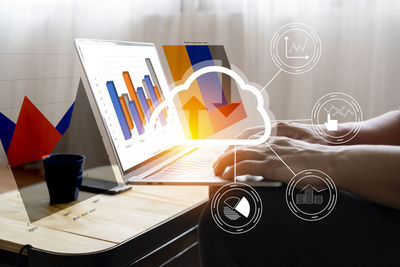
(33, 138)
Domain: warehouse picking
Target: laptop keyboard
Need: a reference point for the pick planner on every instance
(192, 166)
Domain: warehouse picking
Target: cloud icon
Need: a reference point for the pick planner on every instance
(242, 85)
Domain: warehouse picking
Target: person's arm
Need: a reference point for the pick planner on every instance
(381, 130)
(384, 130)
(369, 171)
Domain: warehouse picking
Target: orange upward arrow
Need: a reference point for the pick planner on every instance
(193, 106)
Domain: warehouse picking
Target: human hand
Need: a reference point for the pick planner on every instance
(299, 131)
(262, 161)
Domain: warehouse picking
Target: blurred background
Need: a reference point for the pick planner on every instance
(360, 46)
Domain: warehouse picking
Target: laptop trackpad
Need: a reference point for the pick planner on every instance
(249, 178)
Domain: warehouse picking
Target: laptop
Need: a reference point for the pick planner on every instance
(123, 82)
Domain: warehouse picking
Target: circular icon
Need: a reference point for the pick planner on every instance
(311, 195)
(295, 48)
(333, 109)
(236, 208)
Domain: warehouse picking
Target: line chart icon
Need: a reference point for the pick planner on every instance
(295, 48)
(290, 51)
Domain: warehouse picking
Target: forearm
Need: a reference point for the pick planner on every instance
(370, 171)
(383, 130)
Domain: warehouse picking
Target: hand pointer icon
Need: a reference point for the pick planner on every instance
(331, 125)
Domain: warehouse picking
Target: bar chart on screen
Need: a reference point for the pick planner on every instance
(134, 106)
(128, 84)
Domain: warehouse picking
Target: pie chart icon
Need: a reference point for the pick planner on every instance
(236, 207)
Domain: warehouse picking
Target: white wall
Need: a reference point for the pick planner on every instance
(360, 55)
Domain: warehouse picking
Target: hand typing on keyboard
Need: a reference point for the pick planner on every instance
(263, 160)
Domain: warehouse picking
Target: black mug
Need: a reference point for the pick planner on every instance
(63, 173)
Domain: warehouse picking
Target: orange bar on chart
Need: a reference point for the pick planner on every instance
(126, 112)
(133, 95)
(159, 100)
(150, 105)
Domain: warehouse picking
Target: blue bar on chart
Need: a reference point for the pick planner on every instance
(143, 102)
(118, 110)
(136, 118)
(154, 76)
(150, 88)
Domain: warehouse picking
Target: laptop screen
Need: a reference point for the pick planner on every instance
(128, 83)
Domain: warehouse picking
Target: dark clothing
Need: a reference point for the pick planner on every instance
(356, 233)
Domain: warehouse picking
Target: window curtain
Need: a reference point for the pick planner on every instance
(360, 44)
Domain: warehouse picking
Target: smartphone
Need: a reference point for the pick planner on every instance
(98, 186)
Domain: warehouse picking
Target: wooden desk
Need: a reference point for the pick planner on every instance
(102, 228)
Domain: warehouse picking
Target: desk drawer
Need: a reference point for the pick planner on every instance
(163, 244)
(175, 251)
